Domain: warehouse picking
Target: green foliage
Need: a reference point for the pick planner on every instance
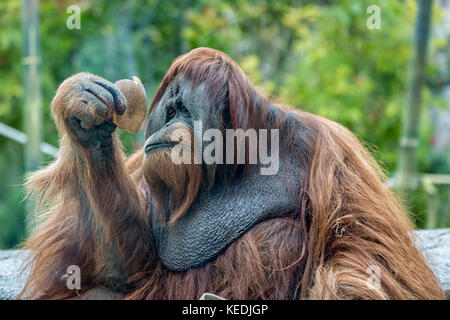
(354, 75)
(318, 56)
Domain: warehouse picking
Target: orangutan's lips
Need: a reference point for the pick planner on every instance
(158, 145)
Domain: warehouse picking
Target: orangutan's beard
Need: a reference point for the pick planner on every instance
(173, 186)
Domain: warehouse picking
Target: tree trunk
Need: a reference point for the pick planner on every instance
(32, 102)
(407, 171)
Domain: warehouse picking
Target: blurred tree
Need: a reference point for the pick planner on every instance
(32, 97)
(407, 173)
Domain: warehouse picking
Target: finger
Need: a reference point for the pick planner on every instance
(87, 121)
(101, 93)
(75, 125)
(119, 99)
(97, 105)
(83, 113)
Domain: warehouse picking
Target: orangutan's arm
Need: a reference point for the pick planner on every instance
(97, 217)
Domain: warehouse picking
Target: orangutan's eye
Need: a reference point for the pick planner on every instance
(171, 112)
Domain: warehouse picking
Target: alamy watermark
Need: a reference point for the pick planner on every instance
(74, 20)
(374, 280)
(73, 277)
(235, 153)
(374, 20)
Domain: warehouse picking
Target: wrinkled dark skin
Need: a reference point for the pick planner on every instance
(219, 217)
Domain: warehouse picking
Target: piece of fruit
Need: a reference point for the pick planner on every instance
(134, 93)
